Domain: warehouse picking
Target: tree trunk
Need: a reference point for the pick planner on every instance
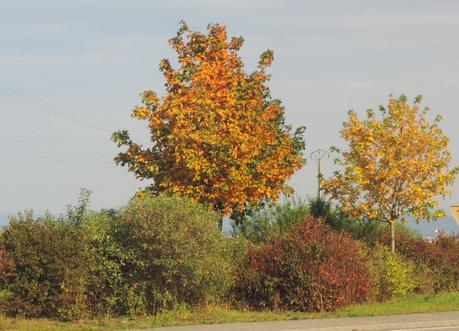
(220, 223)
(392, 236)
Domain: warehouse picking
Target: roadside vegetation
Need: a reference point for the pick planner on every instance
(212, 315)
(221, 149)
(166, 253)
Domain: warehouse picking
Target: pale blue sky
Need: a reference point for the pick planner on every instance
(71, 71)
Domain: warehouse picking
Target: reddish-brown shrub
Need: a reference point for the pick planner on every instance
(437, 261)
(6, 265)
(313, 268)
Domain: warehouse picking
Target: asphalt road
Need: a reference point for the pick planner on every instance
(419, 322)
(445, 328)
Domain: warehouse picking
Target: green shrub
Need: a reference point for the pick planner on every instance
(77, 214)
(312, 268)
(50, 267)
(324, 209)
(106, 288)
(173, 253)
(370, 231)
(367, 230)
(271, 220)
(393, 276)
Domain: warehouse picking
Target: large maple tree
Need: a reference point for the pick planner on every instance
(217, 135)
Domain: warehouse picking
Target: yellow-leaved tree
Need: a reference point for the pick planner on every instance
(216, 135)
(396, 165)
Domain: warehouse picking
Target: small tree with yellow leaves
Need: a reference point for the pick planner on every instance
(217, 135)
(396, 165)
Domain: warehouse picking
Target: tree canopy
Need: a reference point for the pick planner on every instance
(217, 135)
(396, 165)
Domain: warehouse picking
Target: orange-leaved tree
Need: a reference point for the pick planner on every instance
(216, 135)
(396, 165)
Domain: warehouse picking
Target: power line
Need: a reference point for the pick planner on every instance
(30, 104)
(55, 161)
(17, 161)
(38, 104)
(50, 138)
(25, 100)
(47, 158)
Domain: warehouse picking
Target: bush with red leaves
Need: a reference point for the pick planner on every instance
(313, 268)
(437, 262)
(6, 265)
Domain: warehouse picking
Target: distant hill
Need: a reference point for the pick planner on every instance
(447, 224)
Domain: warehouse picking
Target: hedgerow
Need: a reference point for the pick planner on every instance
(313, 268)
(173, 253)
(160, 253)
(50, 267)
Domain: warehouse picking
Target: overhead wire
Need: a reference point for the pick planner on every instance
(25, 101)
(55, 140)
(47, 158)
(42, 157)
(38, 104)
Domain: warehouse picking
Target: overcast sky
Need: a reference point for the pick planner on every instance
(71, 71)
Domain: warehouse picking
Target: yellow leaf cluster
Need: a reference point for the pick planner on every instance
(216, 134)
(396, 165)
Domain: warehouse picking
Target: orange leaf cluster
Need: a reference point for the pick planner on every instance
(217, 135)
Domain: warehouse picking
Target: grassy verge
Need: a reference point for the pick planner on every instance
(413, 304)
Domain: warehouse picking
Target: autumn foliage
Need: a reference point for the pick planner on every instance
(313, 268)
(156, 253)
(216, 135)
(436, 263)
(396, 165)
(6, 265)
(50, 266)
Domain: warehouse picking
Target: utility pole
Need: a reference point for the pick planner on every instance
(319, 154)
